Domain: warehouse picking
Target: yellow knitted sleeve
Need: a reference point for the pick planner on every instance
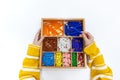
(30, 68)
(99, 70)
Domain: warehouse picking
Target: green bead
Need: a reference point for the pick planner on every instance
(74, 59)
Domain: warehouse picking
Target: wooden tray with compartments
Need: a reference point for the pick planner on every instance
(62, 46)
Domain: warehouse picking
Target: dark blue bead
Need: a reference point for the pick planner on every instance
(77, 44)
(73, 28)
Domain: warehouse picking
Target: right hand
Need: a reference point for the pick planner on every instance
(87, 38)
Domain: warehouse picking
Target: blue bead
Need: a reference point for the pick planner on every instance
(77, 44)
(73, 28)
(48, 59)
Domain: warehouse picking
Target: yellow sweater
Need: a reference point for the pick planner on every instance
(99, 70)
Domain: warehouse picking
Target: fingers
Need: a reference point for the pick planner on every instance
(38, 34)
(41, 39)
(84, 36)
(87, 38)
(87, 35)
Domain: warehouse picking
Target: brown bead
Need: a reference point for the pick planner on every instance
(81, 60)
(49, 44)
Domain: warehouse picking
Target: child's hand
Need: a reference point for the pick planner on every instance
(87, 38)
(38, 39)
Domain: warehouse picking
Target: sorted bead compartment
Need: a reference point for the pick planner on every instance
(50, 44)
(74, 59)
(48, 59)
(73, 28)
(77, 44)
(58, 59)
(62, 45)
(53, 28)
(66, 59)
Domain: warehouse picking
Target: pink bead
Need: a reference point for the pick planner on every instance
(66, 59)
(69, 61)
(68, 55)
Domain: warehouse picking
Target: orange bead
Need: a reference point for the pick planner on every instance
(53, 28)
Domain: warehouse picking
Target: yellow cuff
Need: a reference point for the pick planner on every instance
(92, 50)
(29, 74)
(32, 45)
(33, 50)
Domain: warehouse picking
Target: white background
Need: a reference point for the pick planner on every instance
(20, 20)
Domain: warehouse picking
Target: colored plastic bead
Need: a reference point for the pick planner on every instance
(48, 59)
(66, 59)
(81, 60)
(64, 44)
(74, 59)
(77, 44)
(49, 44)
(58, 59)
(73, 28)
(52, 28)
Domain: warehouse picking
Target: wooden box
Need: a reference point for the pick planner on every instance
(62, 46)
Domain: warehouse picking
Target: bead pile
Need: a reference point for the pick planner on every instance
(58, 59)
(50, 44)
(80, 60)
(73, 28)
(64, 44)
(48, 59)
(66, 59)
(53, 28)
(74, 59)
(77, 44)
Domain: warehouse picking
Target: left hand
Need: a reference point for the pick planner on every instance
(38, 39)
